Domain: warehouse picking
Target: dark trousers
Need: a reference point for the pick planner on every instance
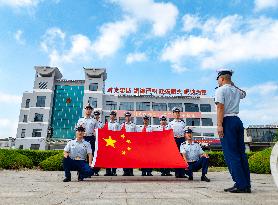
(92, 140)
(128, 171)
(146, 171)
(202, 163)
(234, 151)
(179, 172)
(111, 171)
(77, 165)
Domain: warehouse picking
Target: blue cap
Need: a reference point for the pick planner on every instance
(176, 109)
(162, 117)
(188, 130)
(146, 117)
(113, 113)
(96, 112)
(127, 114)
(224, 71)
(88, 106)
(80, 128)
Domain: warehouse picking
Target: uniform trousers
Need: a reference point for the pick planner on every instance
(77, 165)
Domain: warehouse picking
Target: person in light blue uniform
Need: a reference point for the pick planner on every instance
(178, 127)
(75, 155)
(231, 131)
(115, 126)
(195, 157)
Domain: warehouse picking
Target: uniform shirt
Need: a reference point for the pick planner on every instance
(141, 128)
(99, 124)
(178, 127)
(192, 151)
(78, 149)
(129, 127)
(89, 123)
(113, 125)
(160, 128)
(230, 97)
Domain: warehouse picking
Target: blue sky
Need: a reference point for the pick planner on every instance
(142, 43)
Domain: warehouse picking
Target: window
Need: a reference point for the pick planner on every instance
(38, 117)
(192, 122)
(172, 105)
(208, 134)
(207, 122)
(159, 106)
(143, 106)
(110, 105)
(40, 101)
(93, 102)
(93, 86)
(24, 118)
(37, 133)
(205, 108)
(42, 85)
(191, 107)
(20, 146)
(196, 134)
(27, 103)
(156, 121)
(126, 106)
(139, 121)
(35, 146)
(23, 131)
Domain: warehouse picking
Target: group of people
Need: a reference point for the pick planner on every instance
(78, 150)
(78, 153)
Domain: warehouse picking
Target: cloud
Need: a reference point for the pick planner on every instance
(19, 3)
(161, 15)
(112, 35)
(260, 104)
(8, 98)
(8, 127)
(265, 4)
(135, 57)
(224, 41)
(190, 22)
(18, 37)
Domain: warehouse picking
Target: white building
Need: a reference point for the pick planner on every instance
(52, 109)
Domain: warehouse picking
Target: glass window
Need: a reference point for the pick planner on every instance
(205, 108)
(156, 121)
(208, 134)
(40, 101)
(35, 146)
(139, 121)
(24, 118)
(27, 103)
(23, 131)
(191, 107)
(126, 106)
(37, 133)
(196, 134)
(192, 121)
(38, 117)
(143, 106)
(172, 105)
(93, 86)
(110, 105)
(93, 102)
(159, 106)
(207, 122)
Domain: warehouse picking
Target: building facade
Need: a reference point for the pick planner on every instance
(51, 110)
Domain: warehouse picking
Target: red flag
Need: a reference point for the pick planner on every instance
(122, 149)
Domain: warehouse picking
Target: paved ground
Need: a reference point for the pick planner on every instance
(38, 187)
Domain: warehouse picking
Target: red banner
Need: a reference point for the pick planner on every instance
(167, 114)
(120, 149)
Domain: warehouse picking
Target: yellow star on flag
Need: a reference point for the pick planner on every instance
(123, 152)
(123, 136)
(110, 142)
(128, 141)
(128, 148)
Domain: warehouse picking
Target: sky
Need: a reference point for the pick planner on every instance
(142, 43)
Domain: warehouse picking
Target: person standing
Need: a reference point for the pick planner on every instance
(128, 126)
(146, 128)
(195, 157)
(178, 126)
(75, 155)
(115, 126)
(90, 124)
(163, 126)
(231, 131)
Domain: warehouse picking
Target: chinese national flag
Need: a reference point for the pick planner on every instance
(120, 149)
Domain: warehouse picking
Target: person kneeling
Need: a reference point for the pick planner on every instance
(194, 156)
(75, 154)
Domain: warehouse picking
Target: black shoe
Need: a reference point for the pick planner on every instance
(149, 174)
(190, 178)
(114, 174)
(125, 174)
(96, 174)
(236, 190)
(143, 174)
(108, 174)
(228, 189)
(131, 175)
(204, 178)
(67, 180)
(163, 174)
(80, 179)
(181, 176)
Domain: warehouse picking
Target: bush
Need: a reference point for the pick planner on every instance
(53, 163)
(260, 162)
(37, 156)
(10, 159)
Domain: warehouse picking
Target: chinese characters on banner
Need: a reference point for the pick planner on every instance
(156, 91)
(167, 114)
